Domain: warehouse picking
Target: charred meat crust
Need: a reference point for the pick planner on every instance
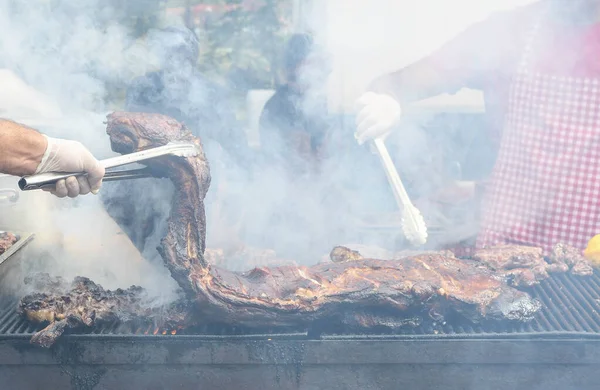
(85, 304)
(525, 266)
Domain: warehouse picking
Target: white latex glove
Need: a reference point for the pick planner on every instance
(71, 156)
(377, 114)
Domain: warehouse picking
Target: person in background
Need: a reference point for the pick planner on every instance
(296, 140)
(24, 151)
(539, 70)
(294, 124)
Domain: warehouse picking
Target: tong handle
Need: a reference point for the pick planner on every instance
(413, 224)
(400, 193)
(177, 149)
(42, 180)
(39, 181)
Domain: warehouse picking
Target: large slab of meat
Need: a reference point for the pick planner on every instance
(351, 289)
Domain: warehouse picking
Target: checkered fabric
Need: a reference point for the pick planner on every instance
(545, 188)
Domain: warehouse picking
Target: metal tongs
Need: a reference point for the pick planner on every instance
(180, 149)
(413, 224)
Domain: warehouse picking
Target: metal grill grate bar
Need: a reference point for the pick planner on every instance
(568, 317)
(8, 312)
(589, 304)
(547, 313)
(578, 301)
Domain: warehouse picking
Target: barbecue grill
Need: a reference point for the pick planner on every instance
(559, 350)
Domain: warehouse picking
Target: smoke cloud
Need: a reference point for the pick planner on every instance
(58, 59)
(70, 52)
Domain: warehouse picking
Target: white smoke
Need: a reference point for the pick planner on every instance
(368, 39)
(68, 52)
(61, 55)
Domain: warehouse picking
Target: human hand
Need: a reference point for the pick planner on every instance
(377, 114)
(71, 156)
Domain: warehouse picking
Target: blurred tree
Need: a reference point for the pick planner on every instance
(88, 36)
(137, 16)
(245, 43)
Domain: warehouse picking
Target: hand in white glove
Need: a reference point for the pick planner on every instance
(71, 156)
(377, 114)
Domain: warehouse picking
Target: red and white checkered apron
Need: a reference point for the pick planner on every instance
(545, 187)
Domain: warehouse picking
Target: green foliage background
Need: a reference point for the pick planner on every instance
(247, 45)
(240, 46)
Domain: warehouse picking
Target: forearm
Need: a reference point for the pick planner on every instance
(465, 61)
(21, 148)
(415, 82)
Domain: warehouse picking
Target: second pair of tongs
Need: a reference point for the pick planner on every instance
(413, 224)
(181, 149)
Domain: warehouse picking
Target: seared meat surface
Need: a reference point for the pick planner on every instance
(525, 266)
(510, 257)
(6, 241)
(83, 303)
(520, 265)
(340, 254)
(571, 258)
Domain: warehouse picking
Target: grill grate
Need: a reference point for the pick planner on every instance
(571, 308)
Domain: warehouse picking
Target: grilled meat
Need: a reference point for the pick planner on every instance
(525, 266)
(6, 241)
(294, 295)
(84, 304)
(341, 254)
(521, 265)
(352, 290)
(572, 258)
(510, 257)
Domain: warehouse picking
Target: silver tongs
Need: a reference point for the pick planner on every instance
(413, 224)
(180, 149)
